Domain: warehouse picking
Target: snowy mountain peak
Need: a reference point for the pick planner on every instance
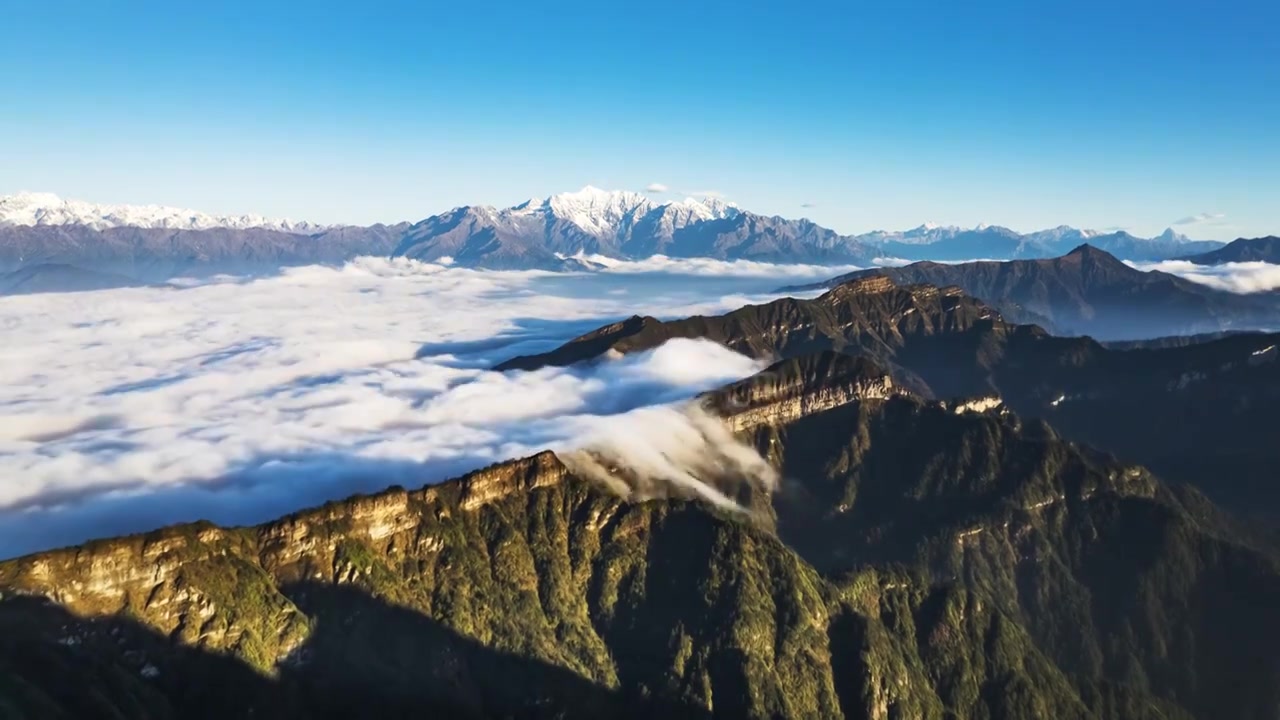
(928, 230)
(609, 212)
(39, 208)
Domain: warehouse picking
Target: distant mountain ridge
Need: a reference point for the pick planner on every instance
(1263, 249)
(151, 242)
(158, 254)
(30, 209)
(59, 278)
(991, 242)
(1089, 292)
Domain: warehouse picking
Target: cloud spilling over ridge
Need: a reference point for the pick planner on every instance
(669, 451)
(240, 400)
(1241, 277)
(901, 262)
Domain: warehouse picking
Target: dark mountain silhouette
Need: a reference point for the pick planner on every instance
(1090, 292)
(1263, 249)
(920, 559)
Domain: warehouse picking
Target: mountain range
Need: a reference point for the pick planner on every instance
(33, 209)
(999, 243)
(1089, 292)
(151, 243)
(920, 558)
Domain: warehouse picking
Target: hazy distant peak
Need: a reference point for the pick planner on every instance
(42, 208)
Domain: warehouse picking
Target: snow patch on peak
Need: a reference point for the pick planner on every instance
(41, 208)
(598, 211)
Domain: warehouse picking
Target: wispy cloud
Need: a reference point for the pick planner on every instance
(1204, 218)
(808, 205)
(656, 188)
(707, 194)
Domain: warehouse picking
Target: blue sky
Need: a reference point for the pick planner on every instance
(860, 115)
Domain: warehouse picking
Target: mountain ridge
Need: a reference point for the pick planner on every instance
(1260, 249)
(1088, 292)
(56, 277)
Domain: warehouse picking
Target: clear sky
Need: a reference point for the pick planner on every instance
(860, 115)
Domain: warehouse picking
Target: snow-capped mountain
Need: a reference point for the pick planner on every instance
(36, 208)
(540, 232)
(606, 213)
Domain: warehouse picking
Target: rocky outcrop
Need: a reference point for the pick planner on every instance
(792, 389)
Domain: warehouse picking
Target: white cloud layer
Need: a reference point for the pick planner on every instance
(1242, 277)
(656, 188)
(710, 267)
(238, 401)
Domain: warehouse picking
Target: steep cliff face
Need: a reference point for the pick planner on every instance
(793, 389)
(925, 563)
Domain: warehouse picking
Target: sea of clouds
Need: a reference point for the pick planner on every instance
(238, 400)
(1238, 277)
